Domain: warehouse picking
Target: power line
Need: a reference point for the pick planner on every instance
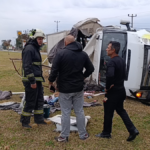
(132, 19)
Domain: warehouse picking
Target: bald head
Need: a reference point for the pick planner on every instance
(69, 39)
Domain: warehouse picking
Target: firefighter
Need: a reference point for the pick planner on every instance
(32, 80)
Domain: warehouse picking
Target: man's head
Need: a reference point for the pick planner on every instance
(38, 35)
(69, 39)
(40, 41)
(113, 48)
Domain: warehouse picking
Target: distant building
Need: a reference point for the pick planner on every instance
(1, 47)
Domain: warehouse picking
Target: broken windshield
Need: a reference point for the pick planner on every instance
(107, 37)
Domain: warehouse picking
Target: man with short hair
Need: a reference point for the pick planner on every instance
(32, 80)
(115, 93)
(68, 67)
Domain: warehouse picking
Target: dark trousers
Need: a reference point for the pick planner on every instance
(115, 102)
(33, 101)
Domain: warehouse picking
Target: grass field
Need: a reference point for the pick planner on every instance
(14, 137)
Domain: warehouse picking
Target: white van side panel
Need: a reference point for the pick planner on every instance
(136, 62)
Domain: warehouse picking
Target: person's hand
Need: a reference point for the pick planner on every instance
(105, 99)
(105, 90)
(51, 87)
(33, 86)
(109, 88)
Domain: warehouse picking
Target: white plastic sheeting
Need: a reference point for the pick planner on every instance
(73, 122)
(53, 39)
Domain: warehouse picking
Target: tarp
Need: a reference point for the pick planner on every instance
(88, 26)
(83, 29)
(53, 39)
(94, 55)
(5, 95)
(144, 36)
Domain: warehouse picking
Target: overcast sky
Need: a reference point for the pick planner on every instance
(28, 14)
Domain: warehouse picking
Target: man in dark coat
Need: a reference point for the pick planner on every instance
(32, 80)
(115, 93)
(68, 67)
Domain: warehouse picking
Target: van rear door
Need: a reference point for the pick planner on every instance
(145, 84)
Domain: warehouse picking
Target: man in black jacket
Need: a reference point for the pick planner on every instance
(68, 68)
(115, 93)
(32, 80)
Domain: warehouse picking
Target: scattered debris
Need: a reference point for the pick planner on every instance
(73, 123)
(5, 95)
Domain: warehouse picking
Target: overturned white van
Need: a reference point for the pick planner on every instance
(135, 50)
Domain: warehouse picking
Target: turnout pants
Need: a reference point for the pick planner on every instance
(33, 102)
(115, 102)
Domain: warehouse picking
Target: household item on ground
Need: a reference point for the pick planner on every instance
(91, 104)
(46, 108)
(51, 100)
(16, 106)
(91, 87)
(73, 122)
(98, 94)
(10, 105)
(7, 103)
(16, 93)
(89, 97)
(5, 95)
(86, 94)
(47, 99)
(22, 101)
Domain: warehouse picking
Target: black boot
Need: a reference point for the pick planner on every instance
(26, 125)
(133, 135)
(25, 120)
(103, 135)
(39, 119)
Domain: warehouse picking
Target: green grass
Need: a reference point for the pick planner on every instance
(14, 137)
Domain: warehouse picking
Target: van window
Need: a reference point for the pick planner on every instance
(107, 37)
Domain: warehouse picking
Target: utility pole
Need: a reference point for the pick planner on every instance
(57, 24)
(132, 19)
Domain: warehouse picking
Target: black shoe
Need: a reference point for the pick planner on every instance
(133, 135)
(26, 125)
(102, 135)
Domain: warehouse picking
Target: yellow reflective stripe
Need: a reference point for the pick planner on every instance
(25, 79)
(37, 63)
(36, 78)
(30, 75)
(23, 72)
(23, 106)
(39, 79)
(26, 113)
(38, 111)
